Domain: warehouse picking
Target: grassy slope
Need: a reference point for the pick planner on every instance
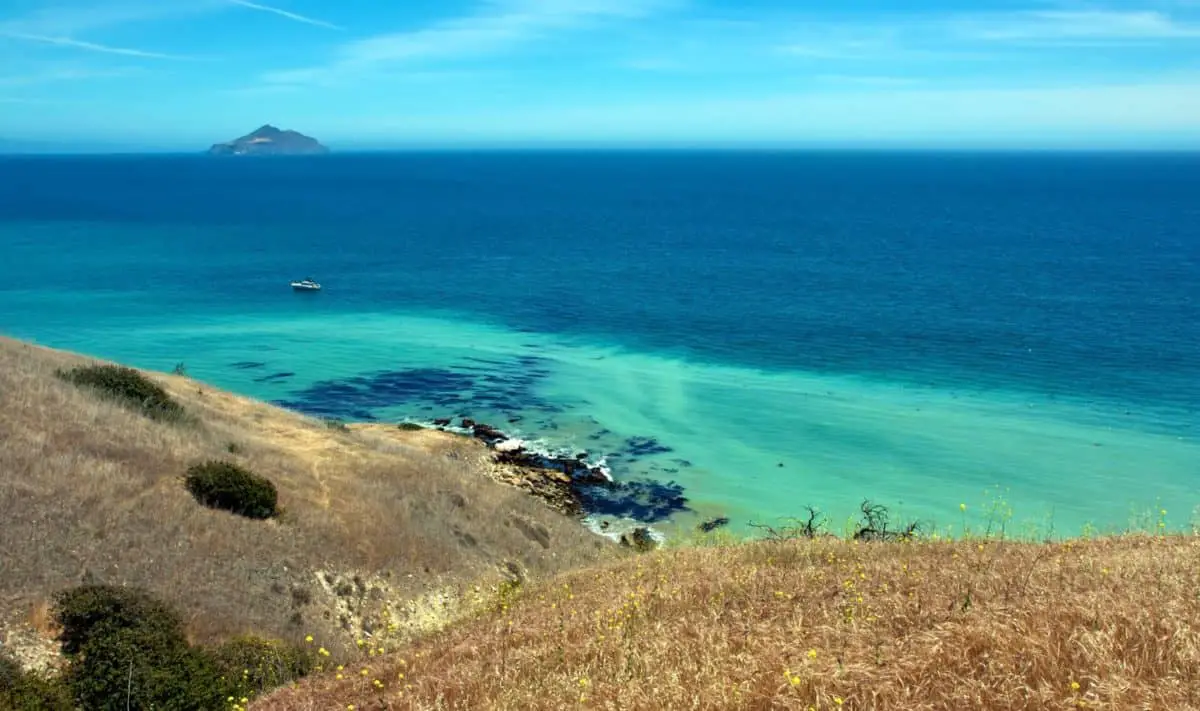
(1100, 624)
(88, 488)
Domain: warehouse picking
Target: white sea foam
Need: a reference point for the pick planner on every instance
(540, 447)
(617, 527)
(510, 445)
(544, 447)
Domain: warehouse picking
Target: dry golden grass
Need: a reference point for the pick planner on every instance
(1099, 624)
(89, 489)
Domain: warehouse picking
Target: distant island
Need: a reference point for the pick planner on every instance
(269, 141)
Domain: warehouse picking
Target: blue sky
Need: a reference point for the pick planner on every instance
(181, 74)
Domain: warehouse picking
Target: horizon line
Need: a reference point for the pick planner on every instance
(567, 147)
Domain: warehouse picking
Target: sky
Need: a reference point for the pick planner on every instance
(369, 74)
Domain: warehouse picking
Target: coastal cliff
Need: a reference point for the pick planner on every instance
(270, 140)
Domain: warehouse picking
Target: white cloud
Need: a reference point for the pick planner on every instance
(440, 78)
(653, 64)
(499, 25)
(869, 80)
(89, 46)
(979, 35)
(843, 49)
(62, 24)
(918, 48)
(1075, 25)
(60, 74)
(288, 15)
(76, 17)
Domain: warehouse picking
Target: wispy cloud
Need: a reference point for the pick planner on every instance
(817, 48)
(27, 101)
(869, 80)
(90, 46)
(287, 14)
(982, 35)
(73, 19)
(259, 90)
(497, 26)
(1092, 25)
(867, 48)
(61, 74)
(422, 79)
(652, 64)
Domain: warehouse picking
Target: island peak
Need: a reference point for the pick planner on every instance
(270, 140)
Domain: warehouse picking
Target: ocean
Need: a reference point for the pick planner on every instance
(732, 334)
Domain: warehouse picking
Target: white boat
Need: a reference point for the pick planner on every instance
(306, 285)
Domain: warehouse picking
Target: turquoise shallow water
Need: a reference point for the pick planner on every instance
(921, 450)
(737, 331)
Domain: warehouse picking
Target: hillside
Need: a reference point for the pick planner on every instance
(373, 523)
(817, 624)
(425, 583)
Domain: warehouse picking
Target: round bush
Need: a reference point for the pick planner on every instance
(223, 485)
(127, 386)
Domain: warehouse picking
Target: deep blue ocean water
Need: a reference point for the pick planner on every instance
(765, 330)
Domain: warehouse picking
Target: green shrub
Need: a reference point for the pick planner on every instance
(127, 650)
(227, 486)
(119, 671)
(128, 387)
(252, 666)
(91, 610)
(21, 691)
(410, 427)
(11, 674)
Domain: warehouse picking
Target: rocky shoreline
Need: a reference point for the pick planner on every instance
(575, 483)
(565, 482)
(569, 483)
